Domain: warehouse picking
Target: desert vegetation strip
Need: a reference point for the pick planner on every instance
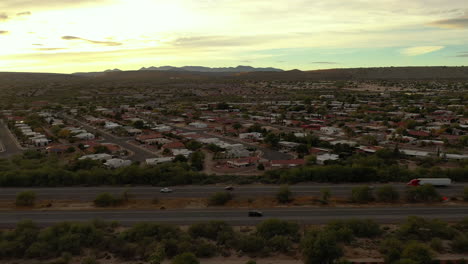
(416, 240)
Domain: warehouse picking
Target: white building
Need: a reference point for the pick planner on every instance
(111, 125)
(100, 156)
(85, 136)
(156, 161)
(252, 135)
(330, 130)
(198, 125)
(40, 142)
(183, 152)
(321, 159)
(117, 163)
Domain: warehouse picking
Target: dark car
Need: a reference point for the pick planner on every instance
(255, 214)
(228, 188)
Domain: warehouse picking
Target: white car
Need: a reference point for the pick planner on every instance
(166, 190)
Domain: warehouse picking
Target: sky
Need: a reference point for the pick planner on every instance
(66, 36)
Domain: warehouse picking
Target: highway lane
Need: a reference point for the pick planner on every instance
(148, 192)
(8, 146)
(236, 216)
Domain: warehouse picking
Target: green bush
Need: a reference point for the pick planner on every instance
(320, 247)
(106, 200)
(325, 195)
(26, 198)
(219, 198)
(387, 194)
(270, 228)
(437, 244)
(217, 231)
(460, 244)
(358, 227)
(425, 193)
(418, 252)
(418, 228)
(362, 194)
(284, 194)
(185, 258)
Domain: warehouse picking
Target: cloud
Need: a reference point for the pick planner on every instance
(105, 43)
(3, 16)
(27, 13)
(4, 32)
(324, 62)
(49, 49)
(420, 50)
(48, 4)
(462, 54)
(454, 23)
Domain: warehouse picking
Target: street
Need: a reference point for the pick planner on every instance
(8, 146)
(149, 192)
(236, 216)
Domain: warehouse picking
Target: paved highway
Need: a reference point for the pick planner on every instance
(235, 216)
(148, 192)
(8, 146)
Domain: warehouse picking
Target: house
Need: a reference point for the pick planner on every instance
(287, 163)
(100, 156)
(252, 135)
(174, 145)
(85, 136)
(236, 150)
(58, 149)
(161, 128)
(243, 162)
(40, 142)
(198, 125)
(288, 145)
(156, 161)
(184, 152)
(149, 139)
(323, 158)
(330, 130)
(415, 153)
(117, 163)
(111, 125)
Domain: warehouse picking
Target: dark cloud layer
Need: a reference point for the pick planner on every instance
(27, 13)
(3, 16)
(461, 22)
(105, 43)
(324, 62)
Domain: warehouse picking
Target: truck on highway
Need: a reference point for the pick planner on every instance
(433, 181)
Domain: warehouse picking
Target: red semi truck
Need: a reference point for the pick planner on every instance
(433, 181)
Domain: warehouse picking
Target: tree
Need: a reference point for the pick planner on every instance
(180, 158)
(387, 193)
(361, 194)
(284, 194)
(320, 248)
(197, 160)
(101, 149)
(271, 228)
(272, 139)
(236, 126)
(325, 195)
(417, 252)
(261, 167)
(139, 124)
(425, 193)
(26, 198)
(185, 258)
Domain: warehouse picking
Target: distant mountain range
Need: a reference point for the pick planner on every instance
(237, 69)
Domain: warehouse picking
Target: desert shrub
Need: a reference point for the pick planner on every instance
(418, 252)
(284, 194)
(460, 244)
(362, 194)
(106, 200)
(219, 198)
(274, 227)
(387, 194)
(424, 193)
(320, 247)
(185, 258)
(26, 198)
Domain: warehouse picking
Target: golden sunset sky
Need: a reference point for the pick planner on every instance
(94, 35)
